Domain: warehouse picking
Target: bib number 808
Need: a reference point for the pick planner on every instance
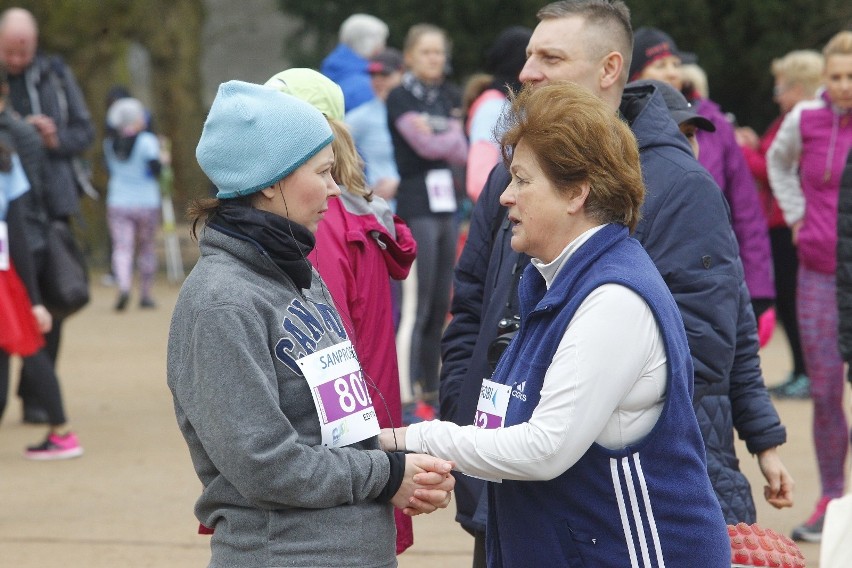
(352, 392)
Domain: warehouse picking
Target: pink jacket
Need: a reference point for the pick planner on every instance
(805, 163)
(356, 254)
(360, 246)
(756, 160)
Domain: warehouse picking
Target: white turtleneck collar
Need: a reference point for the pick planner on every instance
(551, 269)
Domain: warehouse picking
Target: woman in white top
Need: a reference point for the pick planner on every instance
(587, 426)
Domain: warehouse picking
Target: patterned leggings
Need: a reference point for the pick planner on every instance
(817, 311)
(127, 227)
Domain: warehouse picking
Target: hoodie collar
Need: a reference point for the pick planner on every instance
(644, 109)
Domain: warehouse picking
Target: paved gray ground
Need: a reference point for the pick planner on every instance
(128, 501)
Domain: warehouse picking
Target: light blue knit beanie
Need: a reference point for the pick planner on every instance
(255, 136)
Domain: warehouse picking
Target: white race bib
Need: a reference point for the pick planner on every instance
(4, 246)
(442, 193)
(492, 405)
(491, 410)
(344, 406)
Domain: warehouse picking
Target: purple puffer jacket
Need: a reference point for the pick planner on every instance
(805, 163)
(721, 155)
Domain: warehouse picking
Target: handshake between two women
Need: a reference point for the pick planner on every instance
(426, 485)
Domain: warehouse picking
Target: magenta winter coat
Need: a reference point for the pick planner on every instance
(356, 256)
(723, 158)
(805, 164)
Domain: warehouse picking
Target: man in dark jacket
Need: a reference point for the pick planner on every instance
(27, 143)
(685, 229)
(43, 90)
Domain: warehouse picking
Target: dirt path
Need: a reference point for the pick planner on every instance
(128, 501)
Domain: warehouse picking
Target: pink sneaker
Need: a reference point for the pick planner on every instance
(56, 447)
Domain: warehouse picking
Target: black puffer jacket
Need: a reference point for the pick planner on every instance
(844, 262)
(714, 301)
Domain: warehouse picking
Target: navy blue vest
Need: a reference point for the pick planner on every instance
(648, 505)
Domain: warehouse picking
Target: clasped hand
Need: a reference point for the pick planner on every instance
(426, 485)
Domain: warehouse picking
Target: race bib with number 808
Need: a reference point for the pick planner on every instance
(344, 406)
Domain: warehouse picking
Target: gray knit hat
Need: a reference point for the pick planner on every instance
(255, 136)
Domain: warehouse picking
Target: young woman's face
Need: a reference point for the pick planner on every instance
(838, 79)
(427, 57)
(303, 196)
(665, 69)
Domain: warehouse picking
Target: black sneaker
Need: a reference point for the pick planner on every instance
(121, 303)
(147, 304)
(796, 387)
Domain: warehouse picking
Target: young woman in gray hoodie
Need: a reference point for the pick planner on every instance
(267, 388)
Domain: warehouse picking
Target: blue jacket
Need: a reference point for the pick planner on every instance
(652, 499)
(349, 70)
(686, 230)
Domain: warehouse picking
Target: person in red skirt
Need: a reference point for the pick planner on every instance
(24, 319)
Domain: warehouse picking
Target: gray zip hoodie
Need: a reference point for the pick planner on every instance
(274, 495)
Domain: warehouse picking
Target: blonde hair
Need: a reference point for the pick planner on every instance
(840, 44)
(417, 31)
(577, 138)
(696, 77)
(348, 169)
(800, 67)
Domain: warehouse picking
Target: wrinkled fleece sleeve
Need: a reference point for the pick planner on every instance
(227, 390)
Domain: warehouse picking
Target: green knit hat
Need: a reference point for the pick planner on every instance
(312, 87)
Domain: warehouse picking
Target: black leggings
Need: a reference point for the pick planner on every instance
(31, 374)
(786, 265)
(43, 385)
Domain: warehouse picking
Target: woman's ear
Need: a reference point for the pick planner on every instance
(268, 192)
(578, 200)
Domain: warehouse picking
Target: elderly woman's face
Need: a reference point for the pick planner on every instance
(541, 224)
